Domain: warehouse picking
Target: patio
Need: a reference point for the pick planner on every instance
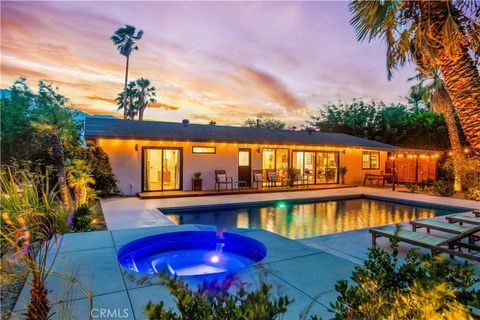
(301, 269)
(222, 192)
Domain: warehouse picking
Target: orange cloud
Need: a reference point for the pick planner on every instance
(165, 106)
(98, 98)
(96, 111)
(273, 87)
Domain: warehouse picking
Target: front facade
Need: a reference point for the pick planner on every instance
(172, 153)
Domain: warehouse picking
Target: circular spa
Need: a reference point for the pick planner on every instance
(190, 253)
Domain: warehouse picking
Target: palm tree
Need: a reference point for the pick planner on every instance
(59, 126)
(433, 92)
(125, 40)
(127, 101)
(145, 95)
(79, 179)
(433, 34)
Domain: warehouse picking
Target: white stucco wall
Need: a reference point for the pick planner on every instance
(126, 161)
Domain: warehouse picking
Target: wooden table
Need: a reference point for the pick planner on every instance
(377, 177)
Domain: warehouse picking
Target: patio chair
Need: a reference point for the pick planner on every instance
(258, 180)
(435, 244)
(272, 178)
(221, 178)
(461, 219)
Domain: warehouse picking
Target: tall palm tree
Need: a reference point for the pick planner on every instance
(145, 95)
(126, 100)
(435, 96)
(125, 39)
(433, 34)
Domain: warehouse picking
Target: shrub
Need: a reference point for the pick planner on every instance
(412, 187)
(420, 288)
(82, 219)
(442, 188)
(105, 180)
(473, 194)
(214, 300)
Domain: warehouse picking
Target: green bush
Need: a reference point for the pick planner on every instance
(82, 219)
(442, 188)
(473, 194)
(412, 187)
(420, 288)
(105, 180)
(215, 300)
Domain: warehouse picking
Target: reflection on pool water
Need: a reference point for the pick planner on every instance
(304, 220)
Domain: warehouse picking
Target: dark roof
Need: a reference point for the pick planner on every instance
(155, 130)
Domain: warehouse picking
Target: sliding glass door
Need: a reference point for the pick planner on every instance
(162, 169)
(319, 167)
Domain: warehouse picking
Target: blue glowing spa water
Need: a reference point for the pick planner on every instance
(191, 253)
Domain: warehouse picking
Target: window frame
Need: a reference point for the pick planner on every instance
(370, 153)
(204, 147)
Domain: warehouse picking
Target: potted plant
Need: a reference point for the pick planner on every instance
(197, 181)
(292, 175)
(343, 171)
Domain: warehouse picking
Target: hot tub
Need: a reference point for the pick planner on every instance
(191, 253)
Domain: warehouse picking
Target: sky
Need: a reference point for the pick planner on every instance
(210, 61)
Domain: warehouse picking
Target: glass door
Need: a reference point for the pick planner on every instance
(326, 167)
(161, 169)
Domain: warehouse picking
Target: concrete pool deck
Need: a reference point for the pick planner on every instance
(302, 272)
(132, 212)
(305, 270)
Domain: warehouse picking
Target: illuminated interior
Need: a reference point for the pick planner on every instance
(162, 169)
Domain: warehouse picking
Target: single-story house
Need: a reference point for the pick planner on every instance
(159, 156)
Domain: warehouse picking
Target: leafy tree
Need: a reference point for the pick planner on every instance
(105, 180)
(125, 39)
(432, 34)
(265, 123)
(394, 124)
(357, 118)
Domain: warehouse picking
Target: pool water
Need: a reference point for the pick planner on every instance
(305, 220)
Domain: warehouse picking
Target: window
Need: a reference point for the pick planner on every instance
(370, 160)
(275, 160)
(208, 150)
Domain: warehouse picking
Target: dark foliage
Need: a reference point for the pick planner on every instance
(215, 300)
(395, 124)
(82, 219)
(101, 171)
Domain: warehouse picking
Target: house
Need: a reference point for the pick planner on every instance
(160, 156)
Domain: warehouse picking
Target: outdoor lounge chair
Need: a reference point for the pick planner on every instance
(435, 244)
(258, 180)
(437, 225)
(221, 178)
(461, 219)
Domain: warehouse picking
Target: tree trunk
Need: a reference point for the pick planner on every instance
(462, 79)
(125, 111)
(141, 110)
(457, 154)
(39, 307)
(59, 161)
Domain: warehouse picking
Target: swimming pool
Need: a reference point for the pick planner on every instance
(297, 219)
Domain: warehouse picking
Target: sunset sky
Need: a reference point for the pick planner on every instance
(221, 61)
